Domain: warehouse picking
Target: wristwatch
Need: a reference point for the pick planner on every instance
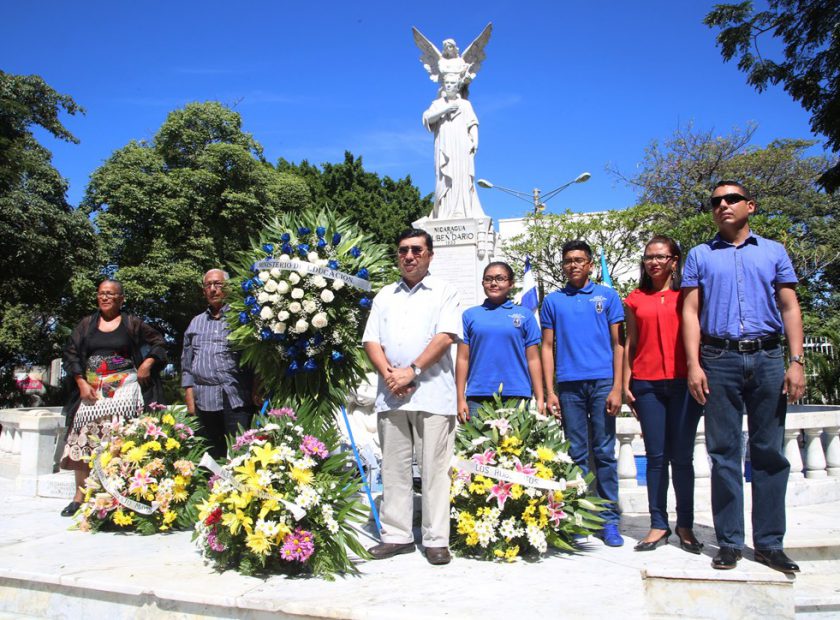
(799, 359)
(417, 370)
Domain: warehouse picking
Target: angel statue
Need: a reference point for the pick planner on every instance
(453, 121)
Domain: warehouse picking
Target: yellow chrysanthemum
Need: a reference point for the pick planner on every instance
(558, 496)
(172, 444)
(511, 553)
(283, 530)
(516, 491)
(301, 476)
(135, 455)
(258, 543)
(154, 444)
(169, 516)
(511, 445)
(542, 523)
(122, 519)
(168, 419)
(105, 458)
(128, 445)
(179, 494)
(544, 472)
(498, 553)
(472, 539)
(546, 455)
(528, 515)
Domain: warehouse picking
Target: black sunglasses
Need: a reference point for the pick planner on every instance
(731, 199)
(417, 250)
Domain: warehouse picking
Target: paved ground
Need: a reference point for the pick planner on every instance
(36, 545)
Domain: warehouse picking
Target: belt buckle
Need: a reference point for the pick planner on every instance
(748, 346)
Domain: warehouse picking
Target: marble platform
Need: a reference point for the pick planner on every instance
(47, 571)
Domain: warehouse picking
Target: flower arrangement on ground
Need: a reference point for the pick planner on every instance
(283, 503)
(515, 490)
(144, 475)
(305, 291)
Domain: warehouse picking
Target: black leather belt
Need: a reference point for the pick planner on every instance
(747, 345)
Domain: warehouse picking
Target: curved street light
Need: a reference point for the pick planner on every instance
(535, 198)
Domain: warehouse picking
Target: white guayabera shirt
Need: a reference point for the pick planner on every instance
(403, 321)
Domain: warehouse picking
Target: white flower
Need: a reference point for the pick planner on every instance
(301, 326)
(264, 276)
(294, 307)
(275, 273)
(278, 328)
(297, 293)
(284, 257)
(262, 297)
(338, 284)
(308, 497)
(282, 315)
(283, 287)
(319, 281)
(323, 262)
(270, 286)
(327, 296)
(312, 257)
(319, 321)
(309, 306)
(266, 313)
(294, 278)
(274, 298)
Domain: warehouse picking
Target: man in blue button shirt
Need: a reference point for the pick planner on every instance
(583, 320)
(740, 297)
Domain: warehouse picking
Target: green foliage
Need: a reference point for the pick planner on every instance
(189, 201)
(381, 206)
(620, 234)
(46, 247)
(808, 67)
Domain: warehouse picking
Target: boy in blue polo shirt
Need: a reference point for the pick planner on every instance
(582, 319)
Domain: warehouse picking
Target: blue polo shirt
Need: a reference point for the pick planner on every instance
(738, 286)
(581, 319)
(498, 336)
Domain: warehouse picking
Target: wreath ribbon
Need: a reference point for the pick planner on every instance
(138, 507)
(509, 475)
(311, 268)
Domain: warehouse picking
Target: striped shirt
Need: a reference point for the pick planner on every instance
(210, 367)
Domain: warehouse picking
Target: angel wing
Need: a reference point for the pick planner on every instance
(430, 55)
(474, 54)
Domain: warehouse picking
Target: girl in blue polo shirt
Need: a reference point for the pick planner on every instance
(500, 346)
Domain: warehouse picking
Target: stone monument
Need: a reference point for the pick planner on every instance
(463, 234)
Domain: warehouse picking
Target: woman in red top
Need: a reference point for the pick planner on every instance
(656, 390)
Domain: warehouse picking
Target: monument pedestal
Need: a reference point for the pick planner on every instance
(463, 247)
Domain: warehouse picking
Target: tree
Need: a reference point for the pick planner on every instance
(383, 207)
(189, 200)
(809, 67)
(619, 234)
(680, 173)
(47, 249)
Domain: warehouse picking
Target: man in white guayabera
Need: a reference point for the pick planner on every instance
(411, 327)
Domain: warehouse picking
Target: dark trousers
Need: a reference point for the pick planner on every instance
(668, 416)
(751, 381)
(217, 425)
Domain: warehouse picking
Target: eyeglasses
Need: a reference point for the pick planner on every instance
(417, 250)
(577, 260)
(656, 258)
(108, 295)
(210, 285)
(730, 199)
(491, 279)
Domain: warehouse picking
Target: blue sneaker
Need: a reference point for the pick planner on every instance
(611, 536)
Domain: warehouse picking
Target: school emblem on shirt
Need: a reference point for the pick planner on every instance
(517, 319)
(598, 300)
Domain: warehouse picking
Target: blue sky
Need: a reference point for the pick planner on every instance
(566, 87)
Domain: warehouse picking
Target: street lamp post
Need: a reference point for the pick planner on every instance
(536, 199)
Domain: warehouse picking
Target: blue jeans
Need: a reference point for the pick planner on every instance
(668, 416)
(583, 405)
(751, 381)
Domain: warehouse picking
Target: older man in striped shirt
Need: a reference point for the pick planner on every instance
(215, 387)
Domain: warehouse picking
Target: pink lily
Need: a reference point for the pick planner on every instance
(528, 469)
(152, 430)
(502, 425)
(488, 458)
(555, 512)
(140, 481)
(501, 492)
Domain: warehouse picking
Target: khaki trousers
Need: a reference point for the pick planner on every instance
(432, 438)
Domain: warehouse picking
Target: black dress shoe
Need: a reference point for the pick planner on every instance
(650, 545)
(71, 509)
(438, 555)
(726, 558)
(776, 559)
(691, 545)
(383, 551)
